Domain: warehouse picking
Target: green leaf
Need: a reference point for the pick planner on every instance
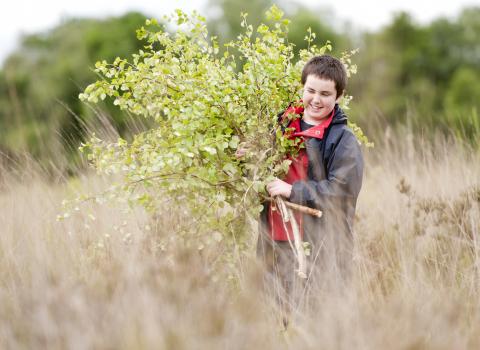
(210, 150)
(274, 13)
(234, 141)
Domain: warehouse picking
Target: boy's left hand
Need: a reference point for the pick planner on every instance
(279, 188)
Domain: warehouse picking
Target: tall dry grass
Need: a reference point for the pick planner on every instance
(120, 281)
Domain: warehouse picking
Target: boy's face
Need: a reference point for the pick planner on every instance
(319, 98)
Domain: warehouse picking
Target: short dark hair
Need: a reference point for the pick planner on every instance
(326, 67)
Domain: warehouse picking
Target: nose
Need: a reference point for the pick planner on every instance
(316, 98)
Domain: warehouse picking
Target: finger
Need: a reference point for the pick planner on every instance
(271, 191)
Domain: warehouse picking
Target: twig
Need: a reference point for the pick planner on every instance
(301, 208)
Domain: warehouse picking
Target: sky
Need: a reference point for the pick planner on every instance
(21, 17)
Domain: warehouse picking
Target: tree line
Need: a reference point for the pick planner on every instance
(424, 76)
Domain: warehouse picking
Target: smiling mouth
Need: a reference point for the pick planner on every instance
(315, 109)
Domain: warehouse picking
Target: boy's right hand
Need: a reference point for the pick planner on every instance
(279, 187)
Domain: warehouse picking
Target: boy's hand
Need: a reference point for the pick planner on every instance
(279, 188)
(241, 150)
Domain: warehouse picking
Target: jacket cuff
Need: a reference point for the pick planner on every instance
(298, 193)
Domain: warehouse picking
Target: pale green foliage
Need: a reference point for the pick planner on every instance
(205, 105)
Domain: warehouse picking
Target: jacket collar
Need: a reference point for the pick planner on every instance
(339, 117)
(317, 131)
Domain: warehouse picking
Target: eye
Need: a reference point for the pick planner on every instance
(311, 91)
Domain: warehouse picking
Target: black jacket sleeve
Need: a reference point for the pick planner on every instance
(344, 171)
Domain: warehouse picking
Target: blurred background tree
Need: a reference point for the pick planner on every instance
(424, 76)
(39, 107)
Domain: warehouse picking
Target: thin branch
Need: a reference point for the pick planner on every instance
(300, 208)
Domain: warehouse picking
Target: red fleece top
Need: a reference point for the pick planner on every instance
(296, 172)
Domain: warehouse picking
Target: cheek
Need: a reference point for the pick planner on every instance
(306, 97)
(330, 101)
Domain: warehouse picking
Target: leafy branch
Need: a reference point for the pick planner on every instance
(204, 106)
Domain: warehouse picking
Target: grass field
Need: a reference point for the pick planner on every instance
(109, 279)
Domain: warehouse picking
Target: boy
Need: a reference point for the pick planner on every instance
(326, 175)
